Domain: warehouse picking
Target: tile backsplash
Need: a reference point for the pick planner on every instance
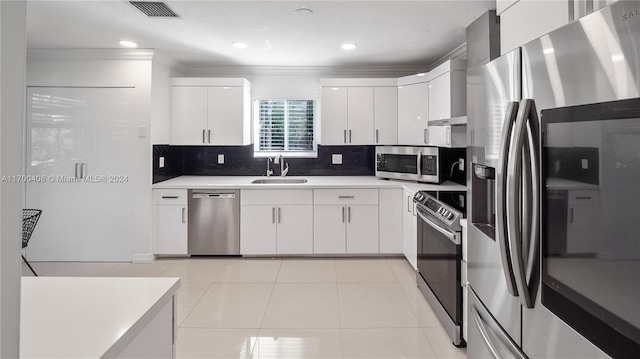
(239, 161)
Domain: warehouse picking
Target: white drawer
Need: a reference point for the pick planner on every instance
(583, 197)
(170, 197)
(345, 196)
(275, 196)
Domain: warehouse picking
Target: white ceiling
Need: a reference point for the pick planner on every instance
(388, 33)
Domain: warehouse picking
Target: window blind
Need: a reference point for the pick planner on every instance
(286, 125)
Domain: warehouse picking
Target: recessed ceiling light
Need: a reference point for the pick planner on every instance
(548, 51)
(349, 46)
(420, 74)
(239, 45)
(127, 43)
(304, 11)
(335, 88)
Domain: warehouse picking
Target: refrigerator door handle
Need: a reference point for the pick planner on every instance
(488, 327)
(519, 219)
(485, 333)
(502, 197)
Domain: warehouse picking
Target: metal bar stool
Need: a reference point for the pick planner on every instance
(29, 220)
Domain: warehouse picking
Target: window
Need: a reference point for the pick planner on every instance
(285, 126)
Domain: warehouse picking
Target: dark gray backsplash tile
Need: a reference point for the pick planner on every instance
(239, 161)
(580, 164)
(172, 159)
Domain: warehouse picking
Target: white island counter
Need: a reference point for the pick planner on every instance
(97, 317)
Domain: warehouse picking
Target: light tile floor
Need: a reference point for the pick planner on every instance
(291, 307)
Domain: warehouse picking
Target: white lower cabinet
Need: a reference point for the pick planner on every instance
(410, 229)
(390, 220)
(276, 222)
(345, 221)
(170, 221)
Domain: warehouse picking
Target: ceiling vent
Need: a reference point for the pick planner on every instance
(154, 8)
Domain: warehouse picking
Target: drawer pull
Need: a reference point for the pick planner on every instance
(170, 197)
(346, 197)
(584, 197)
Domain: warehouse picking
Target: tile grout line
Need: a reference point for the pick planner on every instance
(264, 314)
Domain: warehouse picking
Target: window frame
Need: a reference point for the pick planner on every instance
(257, 153)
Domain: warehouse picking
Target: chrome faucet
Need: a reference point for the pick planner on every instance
(269, 170)
(283, 170)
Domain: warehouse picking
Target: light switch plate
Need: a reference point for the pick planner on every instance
(336, 159)
(585, 164)
(161, 164)
(220, 159)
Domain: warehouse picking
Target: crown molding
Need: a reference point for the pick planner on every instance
(90, 54)
(459, 52)
(204, 70)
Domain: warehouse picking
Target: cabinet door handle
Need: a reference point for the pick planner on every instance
(344, 135)
(279, 214)
(77, 165)
(83, 170)
(426, 140)
(273, 214)
(203, 134)
(570, 215)
(349, 214)
(448, 135)
(209, 136)
(170, 197)
(472, 137)
(349, 136)
(342, 214)
(184, 211)
(346, 197)
(408, 203)
(377, 136)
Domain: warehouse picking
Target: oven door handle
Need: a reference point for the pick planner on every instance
(452, 236)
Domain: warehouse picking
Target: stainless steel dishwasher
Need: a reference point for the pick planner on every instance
(214, 222)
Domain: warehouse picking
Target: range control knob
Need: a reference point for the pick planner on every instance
(450, 216)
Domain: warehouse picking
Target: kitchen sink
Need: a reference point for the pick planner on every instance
(279, 180)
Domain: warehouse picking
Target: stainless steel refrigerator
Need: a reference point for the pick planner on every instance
(554, 149)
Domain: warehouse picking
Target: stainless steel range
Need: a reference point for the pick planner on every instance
(440, 256)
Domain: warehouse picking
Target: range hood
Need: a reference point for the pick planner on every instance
(454, 121)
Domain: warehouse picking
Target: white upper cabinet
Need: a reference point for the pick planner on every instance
(210, 111)
(358, 111)
(448, 91)
(385, 115)
(413, 112)
(360, 115)
(520, 21)
(334, 115)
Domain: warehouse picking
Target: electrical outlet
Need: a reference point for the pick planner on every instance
(461, 164)
(336, 159)
(585, 164)
(161, 162)
(220, 159)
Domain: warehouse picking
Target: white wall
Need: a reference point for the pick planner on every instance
(161, 74)
(110, 68)
(12, 64)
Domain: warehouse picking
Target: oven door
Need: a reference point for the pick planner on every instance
(439, 258)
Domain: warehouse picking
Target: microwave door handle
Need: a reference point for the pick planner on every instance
(419, 171)
(502, 197)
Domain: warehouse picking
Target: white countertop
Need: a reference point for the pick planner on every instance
(63, 317)
(561, 183)
(244, 182)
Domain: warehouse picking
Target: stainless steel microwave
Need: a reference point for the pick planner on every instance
(421, 164)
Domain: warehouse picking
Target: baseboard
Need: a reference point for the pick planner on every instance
(143, 258)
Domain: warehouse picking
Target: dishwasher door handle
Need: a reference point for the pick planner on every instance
(214, 195)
